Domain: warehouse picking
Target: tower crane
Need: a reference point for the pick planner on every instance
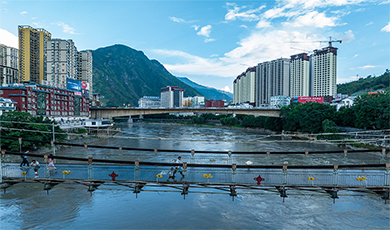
(308, 51)
(329, 42)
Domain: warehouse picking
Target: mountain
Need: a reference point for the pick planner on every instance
(123, 75)
(208, 92)
(368, 83)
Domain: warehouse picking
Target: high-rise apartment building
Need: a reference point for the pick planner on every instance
(300, 75)
(62, 62)
(32, 54)
(8, 65)
(272, 79)
(172, 96)
(324, 72)
(244, 87)
(85, 69)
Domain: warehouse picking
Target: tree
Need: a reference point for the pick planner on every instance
(306, 117)
(372, 111)
(17, 127)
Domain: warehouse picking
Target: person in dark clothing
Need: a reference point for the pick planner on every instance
(25, 160)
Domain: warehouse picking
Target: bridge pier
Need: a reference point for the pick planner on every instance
(130, 120)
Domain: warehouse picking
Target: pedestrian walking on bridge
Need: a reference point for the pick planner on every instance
(36, 166)
(25, 160)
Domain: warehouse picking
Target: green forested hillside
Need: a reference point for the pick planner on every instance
(369, 83)
(123, 75)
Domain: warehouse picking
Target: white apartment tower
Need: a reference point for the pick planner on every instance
(272, 79)
(62, 62)
(171, 97)
(244, 87)
(85, 68)
(299, 75)
(325, 72)
(8, 64)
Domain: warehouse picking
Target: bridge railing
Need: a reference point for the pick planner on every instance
(272, 177)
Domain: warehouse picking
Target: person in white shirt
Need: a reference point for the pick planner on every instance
(36, 166)
(178, 168)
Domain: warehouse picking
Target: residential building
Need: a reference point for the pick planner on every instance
(244, 87)
(45, 100)
(149, 102)
(8, 64)
(279, 101)
(171, 96)
(95, 100)
(348, 102)
(300, 75)
(62, 62)
(7, 105)
(324, 70)
(85, 69)
(32, 54)
(272, 79)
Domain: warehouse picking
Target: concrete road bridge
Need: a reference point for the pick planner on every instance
(106, 112)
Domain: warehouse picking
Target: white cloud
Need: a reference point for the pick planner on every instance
(66, 28)
(263, 24)
(209, 40)
(367, 67)
(348, 36)
(265, 46)
(370, 23)
(356, 55)
(23, 13)
(195, 65)
(386, 28)
(176, 19)
(244, 26)
(8, 39)
(312, 19)
(205, 31)
(248, 15)
(227, 89)
(196, 27)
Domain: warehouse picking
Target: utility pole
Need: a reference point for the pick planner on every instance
(54, 139)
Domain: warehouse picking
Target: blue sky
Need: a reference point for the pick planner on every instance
(211, 42)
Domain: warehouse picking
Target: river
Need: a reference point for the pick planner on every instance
(70, 206)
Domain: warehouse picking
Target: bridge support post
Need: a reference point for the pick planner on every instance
(387, 174)
(335, 174)
(130, 120)
(229, 157)
(285, 172)
(141, 117)
(90, 169)
(234, 172)
(383, 158)
(136, 170)
(185, 176)
(1, 165)
(192, 159)
(155, 152)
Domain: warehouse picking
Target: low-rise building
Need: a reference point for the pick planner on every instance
(44, 100)
(214, 103)
(348, 102)
(6, 105)
(149, 102)
(279, 101)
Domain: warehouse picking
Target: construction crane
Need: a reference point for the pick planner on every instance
(307, 51)
(329, 42)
